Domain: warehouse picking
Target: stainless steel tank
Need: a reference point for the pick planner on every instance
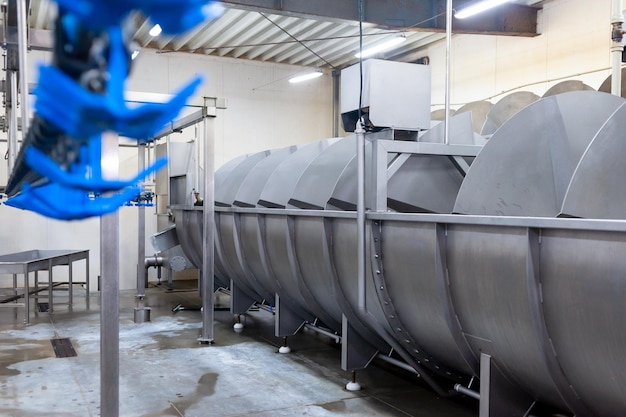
(525, 282)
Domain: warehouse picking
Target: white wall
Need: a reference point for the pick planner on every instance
(264, 111)
(574, 44)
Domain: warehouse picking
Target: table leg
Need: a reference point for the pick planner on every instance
(26, 299)
(70, 292)
(50, 287)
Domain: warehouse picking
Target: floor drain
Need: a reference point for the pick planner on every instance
(63, 348)
(43, 307)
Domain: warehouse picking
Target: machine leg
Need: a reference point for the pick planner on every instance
(353, 385)
(240, 302)
(356, 352)
(287, 322)
(498, 397)
(284, 348)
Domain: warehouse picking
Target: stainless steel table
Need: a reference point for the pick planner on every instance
(42, 260)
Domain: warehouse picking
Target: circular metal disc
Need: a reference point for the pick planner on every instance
(567, 86)
(479, 110)
(526, 167)
(504, 109)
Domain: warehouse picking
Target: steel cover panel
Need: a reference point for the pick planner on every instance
(493, 290)
(232, 256)
(424, 183)
(418, 289)
(227, 184)
(598, 187)
(567, 86)
(316, 184)
(526, 167)
(253, 251)
(316, 267)
(479, 111)
(250, 189)
(345, 263)
(584, 289)
(281, 184)
(280, 252)
(506, 108)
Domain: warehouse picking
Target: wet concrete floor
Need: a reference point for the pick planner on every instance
(164, 371)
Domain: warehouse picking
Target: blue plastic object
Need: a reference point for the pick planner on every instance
(75, 189)
(83, 114)
(174, 16)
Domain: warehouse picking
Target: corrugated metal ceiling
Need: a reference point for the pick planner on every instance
(272, 38)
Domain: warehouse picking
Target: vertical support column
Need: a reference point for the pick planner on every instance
(360, 215)
(141, 230)
(22, 32)
(446, 120)
(617, 19)
(208, 236)
(336, 112)
(12, 120)
(109, 295)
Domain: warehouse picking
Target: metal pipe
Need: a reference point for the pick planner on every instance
(469, 392)
(141, 231)
(109, 294)
(327, 333)
(22, 31)
(208, 236)
(617, 19)
(446, 120)
(398, 364)
(336, 111)
(12, 120)
(154, 261)
(360, 216)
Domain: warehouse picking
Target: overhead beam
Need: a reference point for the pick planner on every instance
(427, 15)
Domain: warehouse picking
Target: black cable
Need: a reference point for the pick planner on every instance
(361, 13)
(296, 39)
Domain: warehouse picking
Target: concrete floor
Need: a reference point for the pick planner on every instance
(165, 372)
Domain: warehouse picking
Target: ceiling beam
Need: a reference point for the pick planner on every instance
(425, 15)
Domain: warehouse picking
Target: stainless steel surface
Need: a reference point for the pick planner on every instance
(446, 116)
(12, 120)
(164, 240)
(141, 233)
(505, 108)
(526, 167)
(229, 185)
(208, 232)
(109, 291)
(597, 189)
(22, 30)
(530, 303)
(479, 111)
(567, 86)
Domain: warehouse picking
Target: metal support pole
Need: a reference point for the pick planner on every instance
(336, 112)
(12, 120)
(141, 232)
(360, 215)
(208, 243)
(109, 293)
(446, 121)
(617, 19)
(22, 29)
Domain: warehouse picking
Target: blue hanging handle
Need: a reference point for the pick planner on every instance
(174, 16)
(71, 114)
(82, 114)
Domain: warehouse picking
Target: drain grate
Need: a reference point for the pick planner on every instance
(43, 307)
(63, 348)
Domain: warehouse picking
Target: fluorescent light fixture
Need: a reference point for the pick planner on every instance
(381, 47)
(305, 77)
(134, 54)
(478, 7)
(156, 30)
